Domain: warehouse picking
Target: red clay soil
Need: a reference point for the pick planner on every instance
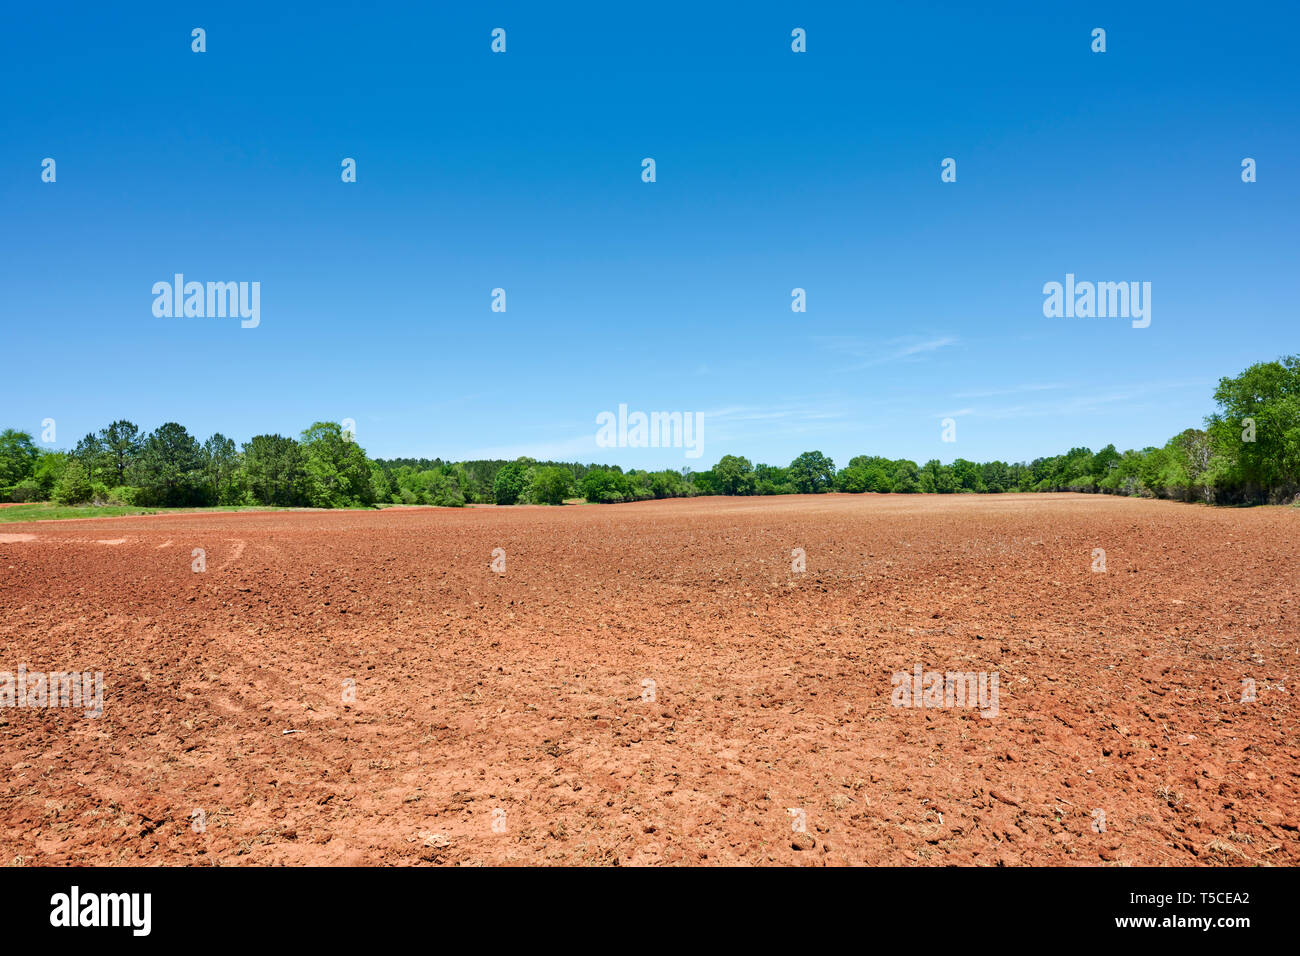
(504, 718)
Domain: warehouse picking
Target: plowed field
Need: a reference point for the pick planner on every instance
(657, 683)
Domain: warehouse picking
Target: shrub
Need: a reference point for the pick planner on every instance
(73, 486)
(123, 495)
(29, 489)
(766, 487)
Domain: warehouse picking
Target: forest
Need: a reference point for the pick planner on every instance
(1247, 452)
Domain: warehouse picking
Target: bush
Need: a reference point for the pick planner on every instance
(29, 489)
(49, 467)
(73, 486)
(123, 495)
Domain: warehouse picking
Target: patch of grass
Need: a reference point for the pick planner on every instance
(46, 510)
(50, 511)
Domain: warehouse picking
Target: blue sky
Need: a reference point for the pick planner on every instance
(775, 170)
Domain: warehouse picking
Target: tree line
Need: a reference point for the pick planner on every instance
(1249, 451)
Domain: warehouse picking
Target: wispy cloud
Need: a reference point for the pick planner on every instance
(871, 354)
(1090, 399)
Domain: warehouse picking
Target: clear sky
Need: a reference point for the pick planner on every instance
(522, 171)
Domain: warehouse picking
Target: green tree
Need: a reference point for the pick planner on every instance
(812, 473)
(1257, 429)
(513, 481)
(441, 488)
(18, 457)
(274, 470)
(380, 483)
(119, 446)
(852, 479)
(169, 468)
(993, 477)
(605, 486)
(669, 484)
(551, 485)
(1153, 471)
(937, 478)
(73, 486)
(336, 470)
(967, 475)
(772, 480)
(1193, 455)
(733, 475)
(867, 473)
(91, 453)
(429, 486)
(1104, 461)
(907, 477)
(638, 485)
(48, 470)
(221, 470)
